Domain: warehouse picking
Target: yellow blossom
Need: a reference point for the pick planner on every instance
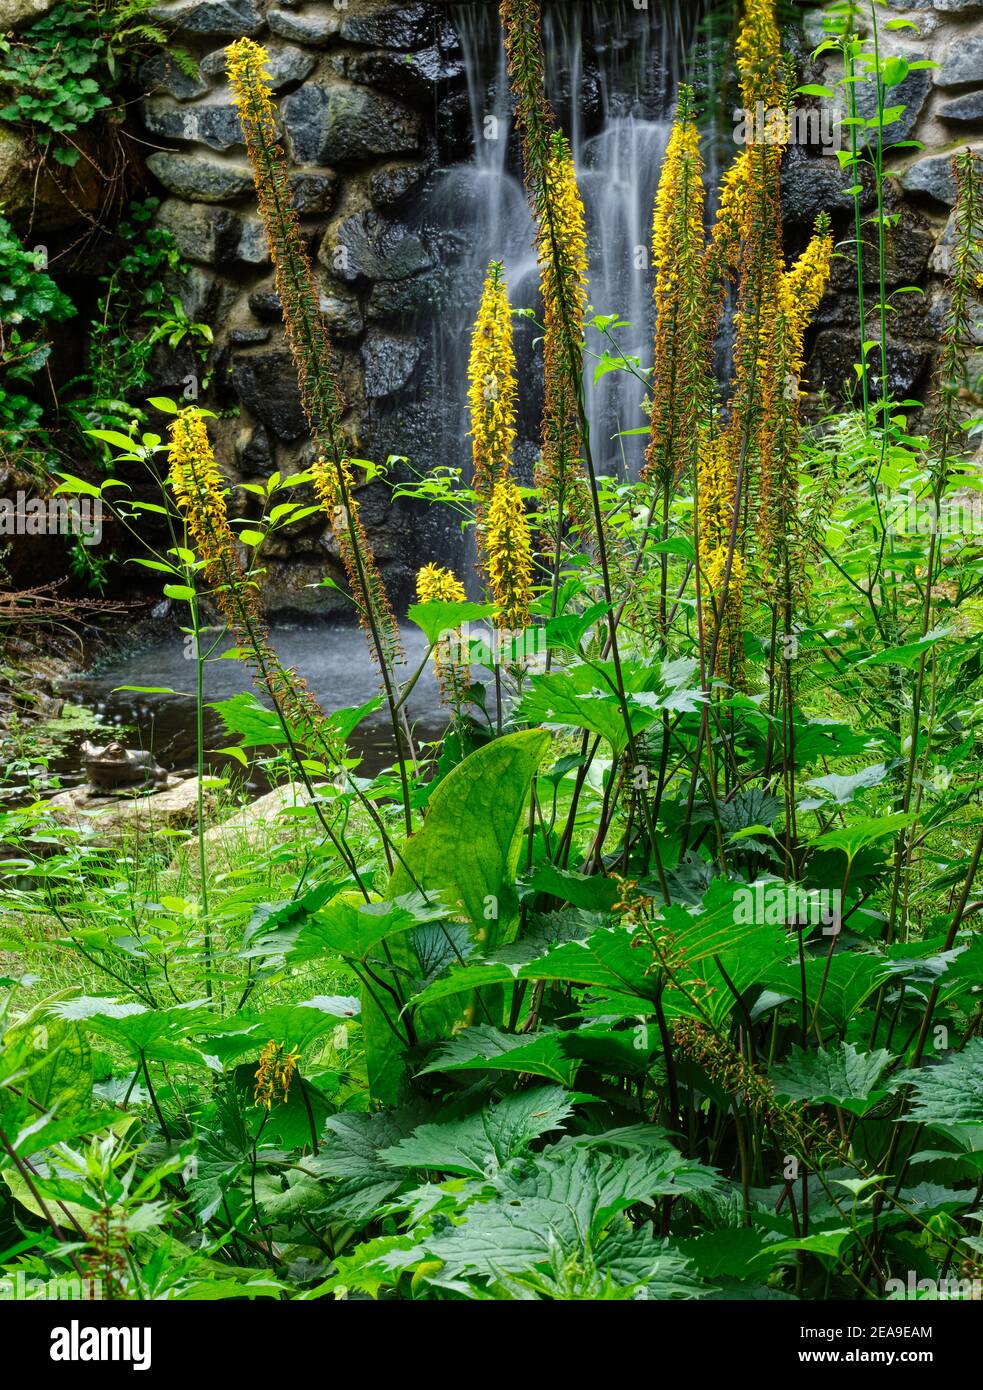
(509, 549)
(492, 385)
(437, 585)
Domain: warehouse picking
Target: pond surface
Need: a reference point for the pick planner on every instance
(334, 660)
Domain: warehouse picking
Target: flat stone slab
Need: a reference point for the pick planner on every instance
(113, 814)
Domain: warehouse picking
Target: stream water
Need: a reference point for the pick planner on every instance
(334, 660)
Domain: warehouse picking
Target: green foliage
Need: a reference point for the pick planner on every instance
(65, 70)
(29, 299)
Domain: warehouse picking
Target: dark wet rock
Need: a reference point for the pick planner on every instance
(394, 183)
(455, 134)
(285, 65)
(339, 308)
(243, 337)
(313, 25)
(264, 303)
(215, 124)
(292, 591)
(235, 18)
(341, 313)
(394, 26)
(831, 365)
(266, 385)
(212, 235)
(907, 248)
(199, 179)
(314, 192)
(415, 76)
(328, 124)
(161, 73)
(369, 247)
(255, 453)
(394, 298)
(388, 362)
(812, 184)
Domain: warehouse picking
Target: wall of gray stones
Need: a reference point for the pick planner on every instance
(370, 97)
(944, 113)
(373, 100)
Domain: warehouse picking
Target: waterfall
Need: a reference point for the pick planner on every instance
(613, 69)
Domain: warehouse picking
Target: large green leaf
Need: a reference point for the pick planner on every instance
(478, 1144)
(467, 853)
(839, 1075)
(58, 1069)
(489, 1049)
(950, 1094)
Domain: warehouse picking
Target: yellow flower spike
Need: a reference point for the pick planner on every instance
(492, 386)
(307, 338)
(437, 585)
(508, 545)
(683, 344)
(274, 1074)
(563, 283)
(434, 584)
(199, 492)
(759, 57)
(799, 292)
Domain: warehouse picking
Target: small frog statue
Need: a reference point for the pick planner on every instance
(116, 766)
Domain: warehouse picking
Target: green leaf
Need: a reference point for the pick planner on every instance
(467, 853)
(478, 1144)
(910, 653)
(58, 1061)
(489, 1049)
(840, 1076)
(436, 617)
(952, 1093)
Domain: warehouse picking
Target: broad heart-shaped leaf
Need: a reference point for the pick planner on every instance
(292, 1025)
(605, 959)
(952, 1093)
(467, 852)
(347, 926)
(582, 698)
(725, 1252)
(839, 1076)
(593, 893)
(853, 837)
(436, 617)
(840, 789)
(351, 1155)
(489, 1049)
(478, 1144)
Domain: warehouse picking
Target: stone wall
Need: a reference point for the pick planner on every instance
(374, 101)
(944, 112)
(370, 100)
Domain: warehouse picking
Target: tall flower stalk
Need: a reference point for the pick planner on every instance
(309, 347)
(492, 389)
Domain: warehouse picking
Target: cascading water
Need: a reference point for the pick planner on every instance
(613, 69)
